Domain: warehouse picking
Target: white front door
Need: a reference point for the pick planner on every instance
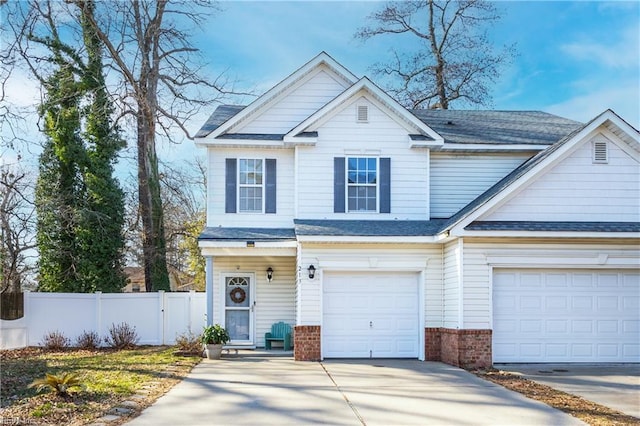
(238, 316)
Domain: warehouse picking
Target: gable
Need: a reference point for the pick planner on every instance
(296, 104)
(417, 131)
(579, 188)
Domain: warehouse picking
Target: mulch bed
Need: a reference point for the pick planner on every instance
(587, 411)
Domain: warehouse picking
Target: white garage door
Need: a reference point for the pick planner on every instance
(566, 316)
(370, 316)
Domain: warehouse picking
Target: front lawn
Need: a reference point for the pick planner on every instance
(110, 377)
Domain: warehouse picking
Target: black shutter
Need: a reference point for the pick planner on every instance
(385, 185)
(230, 197)
(270, 188)
(338, 185)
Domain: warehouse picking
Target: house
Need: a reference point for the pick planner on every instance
(135, 280)
(470, 237)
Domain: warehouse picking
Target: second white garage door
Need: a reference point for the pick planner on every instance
(566, 315)
(370, 315)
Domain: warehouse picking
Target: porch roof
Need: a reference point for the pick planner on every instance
(369, 228)
(247, 234)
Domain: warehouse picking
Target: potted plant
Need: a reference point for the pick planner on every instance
(213, 337)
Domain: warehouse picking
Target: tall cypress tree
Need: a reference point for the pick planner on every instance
(100, 234)
(80, 205)
(59, 189)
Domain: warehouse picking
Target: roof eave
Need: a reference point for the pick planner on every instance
(545, 234)
(333, 239)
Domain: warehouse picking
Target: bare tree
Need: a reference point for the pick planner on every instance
(183, 188)
(148, 42)
(158, 84)
(17, 228)
(455, 60)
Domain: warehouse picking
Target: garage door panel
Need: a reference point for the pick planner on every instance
(631, 351)
(595, 318)
(381, 315)
(631, 304)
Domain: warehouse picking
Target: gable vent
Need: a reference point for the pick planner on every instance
(600, 152)
(362, 113)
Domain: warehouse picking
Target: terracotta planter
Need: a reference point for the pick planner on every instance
(213, 351)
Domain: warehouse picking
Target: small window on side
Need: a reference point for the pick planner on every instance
(600, 152)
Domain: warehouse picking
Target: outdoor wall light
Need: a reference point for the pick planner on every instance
(269, 273)
(312, 271)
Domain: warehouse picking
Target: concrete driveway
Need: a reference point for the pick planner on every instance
(266, 391)
(614, 386)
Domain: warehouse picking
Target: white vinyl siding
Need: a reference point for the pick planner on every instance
(275, 300)
(451, 285)
(305, 98)
(382, 136)
(216, 215)
(576, 189)
(457, 179)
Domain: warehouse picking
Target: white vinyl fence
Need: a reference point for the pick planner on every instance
(157, 317)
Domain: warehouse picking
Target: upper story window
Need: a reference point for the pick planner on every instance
(250, 185)
(362, 184)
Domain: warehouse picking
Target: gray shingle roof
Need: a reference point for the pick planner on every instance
(554, 226)
(497, 127)
(455, 126)
(247, 234)
(368, 228)
(221, 114)
(253, 136)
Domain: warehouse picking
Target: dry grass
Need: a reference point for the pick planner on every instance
(587, 411)
(110, 376)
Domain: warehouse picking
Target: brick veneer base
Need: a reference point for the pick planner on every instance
(462, 348)
(306, 343)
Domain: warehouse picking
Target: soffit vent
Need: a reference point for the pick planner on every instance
(600, 152)
(362, 112)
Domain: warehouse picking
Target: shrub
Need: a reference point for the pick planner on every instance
(58, 384)
(215, 334)
(122, 336)
(88, 340)
(55, 340)
(189, 342)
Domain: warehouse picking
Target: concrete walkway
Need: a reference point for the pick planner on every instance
(270, 391)
(614, 386)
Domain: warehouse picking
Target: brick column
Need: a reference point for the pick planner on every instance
(432, 342)
(462, 348)
(306, 343)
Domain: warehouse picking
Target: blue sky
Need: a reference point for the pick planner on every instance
(576, 59)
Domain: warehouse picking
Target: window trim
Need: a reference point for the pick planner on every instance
(240, 185)
(348, 185)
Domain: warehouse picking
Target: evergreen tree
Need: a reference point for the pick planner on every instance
(59, 191)
(80, 204)
(100, 231)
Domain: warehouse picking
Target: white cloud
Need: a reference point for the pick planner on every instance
(623, 99)
(624, 53)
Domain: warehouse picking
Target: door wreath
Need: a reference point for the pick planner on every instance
(237, 295)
